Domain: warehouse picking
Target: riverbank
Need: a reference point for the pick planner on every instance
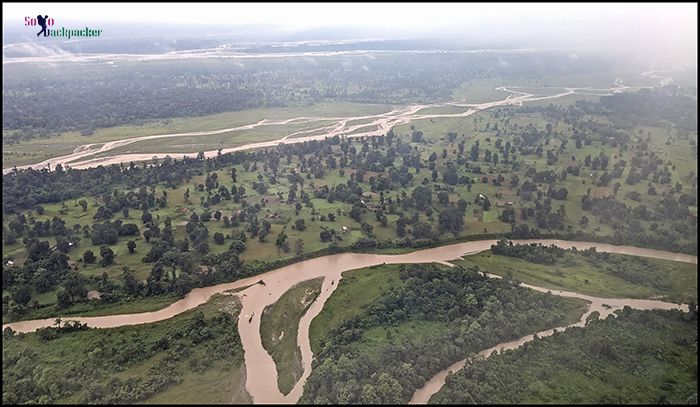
(638, 357)
(259, 365)
(346, 261)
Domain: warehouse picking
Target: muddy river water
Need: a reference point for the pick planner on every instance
(260, 368)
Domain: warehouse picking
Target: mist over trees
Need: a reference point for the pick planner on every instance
(39, 100)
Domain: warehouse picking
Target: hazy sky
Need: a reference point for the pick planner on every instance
(666, 30)
(380, 15)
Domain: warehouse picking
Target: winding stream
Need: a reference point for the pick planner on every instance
(380, 124)
(260, 368)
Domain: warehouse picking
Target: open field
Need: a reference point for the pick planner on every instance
(355, 291)
(37, 150)
(573, 273)
(188, 144)
(442, 110)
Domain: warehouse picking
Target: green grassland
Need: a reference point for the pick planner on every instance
(363, 129)
(573, 273)
(481, 90)
(37, 150)
(356, 122)
(564, 100)
(442, 110)
(278, 329)
(360, 288)
(210, 366)
(189, 144)
(539, 91)
(356, 290)
(484, 90)
(221, 385)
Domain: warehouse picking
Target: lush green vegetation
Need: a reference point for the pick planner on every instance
(137, 231)
(278, 329)
(638, 357)
(614, 177)
(132, 237)
(590, 272)
(173, 361)
(358, 290)
(89, 96)
(387, 348)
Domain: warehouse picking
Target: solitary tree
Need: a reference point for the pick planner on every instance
(74, 283)
(107, 256)
(281, 242)
(299, 246)
(63, 299)
(422, 197)
(22, 295)
(89, 257)
(583, 221)
(146, 217)
(451, 220)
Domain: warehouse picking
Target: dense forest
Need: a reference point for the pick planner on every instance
(645, 357)
(466, 311)
(647, 107)
(40, 100)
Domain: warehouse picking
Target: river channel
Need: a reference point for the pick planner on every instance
(260, 367)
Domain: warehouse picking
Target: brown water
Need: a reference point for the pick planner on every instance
(260, 368)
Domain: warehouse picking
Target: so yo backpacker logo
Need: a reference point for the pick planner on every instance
(45, 22)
